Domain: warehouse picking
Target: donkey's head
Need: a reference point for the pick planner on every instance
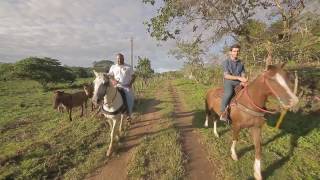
(278, 83)
(100, 85)
(57, 98)
(88, 89)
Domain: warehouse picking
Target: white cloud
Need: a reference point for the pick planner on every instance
(78, 32)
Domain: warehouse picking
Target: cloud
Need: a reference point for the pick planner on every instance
(78, 32)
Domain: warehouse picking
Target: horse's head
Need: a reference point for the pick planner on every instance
(278, 83)
(57, 99)
(100, 85)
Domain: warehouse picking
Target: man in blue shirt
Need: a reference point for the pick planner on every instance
(234, 74)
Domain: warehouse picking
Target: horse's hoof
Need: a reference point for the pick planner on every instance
(257, 176)
(217, 135)
(234, 157)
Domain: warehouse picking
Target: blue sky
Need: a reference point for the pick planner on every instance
(78, 32)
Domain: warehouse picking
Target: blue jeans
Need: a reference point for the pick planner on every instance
(130, 99)
(228, 92)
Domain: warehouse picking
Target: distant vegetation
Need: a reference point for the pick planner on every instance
(103, 65)
(143, 69)
(48, 71)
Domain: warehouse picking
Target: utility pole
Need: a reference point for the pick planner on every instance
(131, 42)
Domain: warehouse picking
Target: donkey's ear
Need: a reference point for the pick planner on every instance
(95, 73)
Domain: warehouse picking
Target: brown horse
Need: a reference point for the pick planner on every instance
(246, 111)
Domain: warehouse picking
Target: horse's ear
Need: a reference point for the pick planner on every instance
(270, 67)
(111, 77)
(58, 91)
(95, 73)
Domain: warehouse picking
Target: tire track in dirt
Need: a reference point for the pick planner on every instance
(198, 166)
(145, 124)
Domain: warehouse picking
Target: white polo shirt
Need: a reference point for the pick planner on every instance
(122, 73)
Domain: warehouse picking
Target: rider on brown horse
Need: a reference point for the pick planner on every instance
(234, 74)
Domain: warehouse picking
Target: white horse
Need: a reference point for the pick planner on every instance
(112, 105)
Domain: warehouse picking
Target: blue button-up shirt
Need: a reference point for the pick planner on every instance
(234, 68)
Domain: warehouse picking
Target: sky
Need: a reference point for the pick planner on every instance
(79, 32)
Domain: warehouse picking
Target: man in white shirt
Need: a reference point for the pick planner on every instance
(124, 76)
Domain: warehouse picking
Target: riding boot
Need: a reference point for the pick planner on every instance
(225, 116)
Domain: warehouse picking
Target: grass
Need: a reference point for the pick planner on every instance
(37, 142)
(288, 153)
(159, 155)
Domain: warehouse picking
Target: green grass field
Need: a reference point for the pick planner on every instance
(38, 142)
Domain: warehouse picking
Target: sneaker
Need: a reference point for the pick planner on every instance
(224, 116)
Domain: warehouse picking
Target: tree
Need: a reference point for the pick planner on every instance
(214, 18)
(44, 70)
(103, 65)
(143, 69)
(81, 72)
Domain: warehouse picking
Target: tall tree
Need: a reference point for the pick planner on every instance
(44, 70)
(143, 68)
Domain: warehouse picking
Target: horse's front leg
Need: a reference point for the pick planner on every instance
(81, 110)
(256, 136)
(235, 131)
(70, 111)
(113, 122)
(120, 126)
(215, 128)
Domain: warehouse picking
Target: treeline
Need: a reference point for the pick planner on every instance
(47, 70)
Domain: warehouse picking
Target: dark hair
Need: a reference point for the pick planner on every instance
(235, 46)
(121, 56)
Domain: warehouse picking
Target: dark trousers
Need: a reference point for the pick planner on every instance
(228, 87)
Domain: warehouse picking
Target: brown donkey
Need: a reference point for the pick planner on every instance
(246, 111)
(70, 100)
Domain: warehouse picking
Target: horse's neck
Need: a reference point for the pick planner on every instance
(113, 97)
(257, 92)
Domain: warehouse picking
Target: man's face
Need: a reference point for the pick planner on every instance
(119, 60)
(234, 53)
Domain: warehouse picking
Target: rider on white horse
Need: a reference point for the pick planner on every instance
(124, 76)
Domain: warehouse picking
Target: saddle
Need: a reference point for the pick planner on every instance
(237, 90)
(123, 109)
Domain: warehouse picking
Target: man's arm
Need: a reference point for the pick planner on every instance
(227, 75)
(231, 77)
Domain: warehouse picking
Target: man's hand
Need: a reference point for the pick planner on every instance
(242, 79)
(114, 82)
